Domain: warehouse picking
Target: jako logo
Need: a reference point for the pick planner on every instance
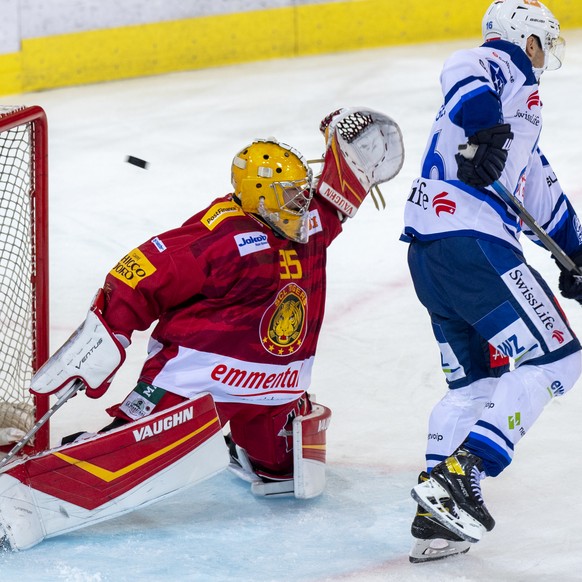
(441, 203)
(533, 100)
(251, 242)
(558, 336)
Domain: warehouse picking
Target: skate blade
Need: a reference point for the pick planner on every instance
(273, 488)
(436, 549)
(243, 474)
(428, 495)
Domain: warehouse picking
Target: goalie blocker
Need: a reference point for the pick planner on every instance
(110, 474)
(93, 354)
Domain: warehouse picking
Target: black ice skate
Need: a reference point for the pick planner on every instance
(432, 541)
(459, 479)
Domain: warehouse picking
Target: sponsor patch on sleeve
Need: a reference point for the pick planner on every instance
(133, 268)
(251, 242)
(218, 212)
(159, 244)
(314, 222)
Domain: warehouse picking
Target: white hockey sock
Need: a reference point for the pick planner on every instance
(453, 416)
(519, 399)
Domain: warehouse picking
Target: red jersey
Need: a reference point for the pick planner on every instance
(239, 309)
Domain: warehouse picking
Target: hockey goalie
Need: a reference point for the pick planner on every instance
(237, 293)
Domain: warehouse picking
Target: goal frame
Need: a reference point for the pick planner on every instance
(36, 117)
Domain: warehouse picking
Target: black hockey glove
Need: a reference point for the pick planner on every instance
(569, 283)
(489, 149)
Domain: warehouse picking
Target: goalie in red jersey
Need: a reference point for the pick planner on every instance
(238, 293)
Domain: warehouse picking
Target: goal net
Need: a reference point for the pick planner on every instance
(23, 270)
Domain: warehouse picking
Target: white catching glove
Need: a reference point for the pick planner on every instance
(363, 149)
(92, 354)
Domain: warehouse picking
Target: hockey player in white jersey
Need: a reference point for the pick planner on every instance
(487, 305)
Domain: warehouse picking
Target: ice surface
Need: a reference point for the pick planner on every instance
(377, 367)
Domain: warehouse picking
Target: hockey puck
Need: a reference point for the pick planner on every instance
(137, 162)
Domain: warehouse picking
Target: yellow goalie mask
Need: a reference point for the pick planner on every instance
(273, 181)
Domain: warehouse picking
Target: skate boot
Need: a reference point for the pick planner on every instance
(457, 478)
(77, 437)
(240, 464)
(262, 483)
(433, 541)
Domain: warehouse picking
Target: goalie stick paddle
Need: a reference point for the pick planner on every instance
(542, 235)
(62, 398)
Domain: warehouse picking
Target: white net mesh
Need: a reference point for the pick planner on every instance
(16, 273)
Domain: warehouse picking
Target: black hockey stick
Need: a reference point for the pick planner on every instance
(62, 398)
(514, 203)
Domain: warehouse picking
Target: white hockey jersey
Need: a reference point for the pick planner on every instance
(483, 87)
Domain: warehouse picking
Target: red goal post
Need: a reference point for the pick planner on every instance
(24, 312)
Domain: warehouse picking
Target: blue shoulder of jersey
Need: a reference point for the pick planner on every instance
(518, 58)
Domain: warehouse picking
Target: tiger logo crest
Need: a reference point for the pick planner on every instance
(284, 323)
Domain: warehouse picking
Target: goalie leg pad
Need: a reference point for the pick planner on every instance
(113, 473)
(309, 451)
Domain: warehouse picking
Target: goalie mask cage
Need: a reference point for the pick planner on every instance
(24, 317)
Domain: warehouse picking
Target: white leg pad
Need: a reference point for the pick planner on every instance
(309, 449)
(113, 473)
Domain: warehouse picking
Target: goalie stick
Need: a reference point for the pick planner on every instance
(63, 396)
(86, 361)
